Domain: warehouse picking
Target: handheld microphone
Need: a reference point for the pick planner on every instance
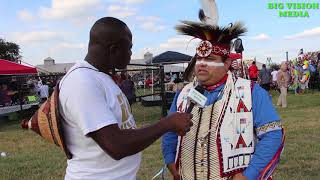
(196, 97)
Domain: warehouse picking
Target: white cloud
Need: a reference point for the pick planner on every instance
(134, 1)
(184, 44)
(152, 27)
(127, 1)
(315, 32)
(65, 45)
(148, 18)
(25, 15)
(261, 37)
(151, 23)
(69, 51)
(70, 9)
(63, 51)
(277, 49)
(37, 36)
(121, 11)
(65, 48)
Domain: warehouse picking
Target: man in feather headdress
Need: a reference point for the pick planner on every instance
(237, 133)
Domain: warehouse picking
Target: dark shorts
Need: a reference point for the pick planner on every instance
(266, 86)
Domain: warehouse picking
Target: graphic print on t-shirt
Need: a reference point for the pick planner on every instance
(127, 118)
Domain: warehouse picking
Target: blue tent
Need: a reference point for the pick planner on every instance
(171, 57)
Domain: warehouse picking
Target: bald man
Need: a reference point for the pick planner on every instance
(100, 131)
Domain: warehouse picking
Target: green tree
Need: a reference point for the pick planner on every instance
(9, 51)
(274, 66)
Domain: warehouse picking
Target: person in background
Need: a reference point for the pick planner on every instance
(117, 78)
(283, 81)
(318, 74)
(304, 81)
(173, 77)
(51, 83)
(43, 91)
(13, 89)
(265, 78)
(148, 82)
(295, 76)
(178, 84)
(5, 95)
(313, 74)
(127, 87)
(140, 84)
(274, 78)
(167, 78)
(253, 72)
(33, 91)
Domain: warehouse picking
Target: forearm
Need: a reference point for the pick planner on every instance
(136, 140)
(121, 143)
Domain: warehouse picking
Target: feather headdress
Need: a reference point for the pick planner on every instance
(216, 40)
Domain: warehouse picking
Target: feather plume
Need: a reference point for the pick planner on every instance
(214, 33)
(202, 16)
(209, 12)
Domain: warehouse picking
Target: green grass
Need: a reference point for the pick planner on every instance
(301, 157)
(147, 91)
(30, 157)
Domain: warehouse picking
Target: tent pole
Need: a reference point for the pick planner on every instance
(144, 82)
(152, 83)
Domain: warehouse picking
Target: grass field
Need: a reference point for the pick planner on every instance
(30, 157)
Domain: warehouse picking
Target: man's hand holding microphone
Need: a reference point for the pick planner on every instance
(179, 123)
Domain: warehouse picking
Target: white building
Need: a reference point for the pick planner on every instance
(49, 66)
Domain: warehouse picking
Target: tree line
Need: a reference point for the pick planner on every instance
(9, 51)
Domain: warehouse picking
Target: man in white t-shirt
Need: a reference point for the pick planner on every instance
(100, 131)
(44, 91)
(274, 78)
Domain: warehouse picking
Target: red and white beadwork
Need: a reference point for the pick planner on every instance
(220, 51)
(204, 49)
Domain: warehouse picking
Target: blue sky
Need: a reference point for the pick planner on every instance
(60, 28)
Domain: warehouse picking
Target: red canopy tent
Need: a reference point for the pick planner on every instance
(11, 68)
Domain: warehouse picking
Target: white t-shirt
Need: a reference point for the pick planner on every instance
(89, 101)
(274, 75)
(44, 91)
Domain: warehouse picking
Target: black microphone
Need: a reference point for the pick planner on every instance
(196, 97)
